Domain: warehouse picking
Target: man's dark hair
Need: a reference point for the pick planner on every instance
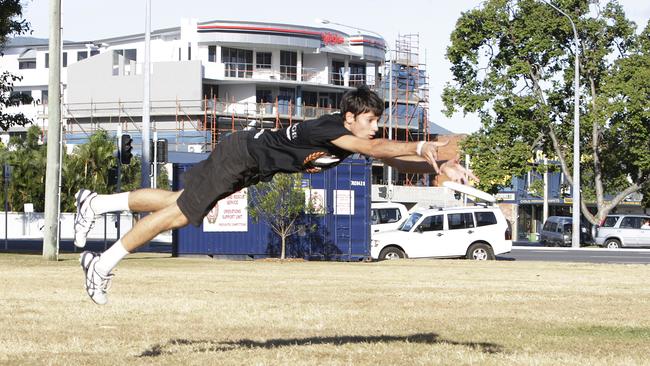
(362, 100)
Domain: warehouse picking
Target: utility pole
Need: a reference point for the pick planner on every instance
(545, 207)
(575, 191)
(389, 192)
(51, 234)
(146, 123)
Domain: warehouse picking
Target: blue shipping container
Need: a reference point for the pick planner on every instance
(343, 233)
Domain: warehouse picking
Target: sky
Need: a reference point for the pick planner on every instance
(433, 21)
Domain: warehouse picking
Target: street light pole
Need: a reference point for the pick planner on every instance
(389, 190)
(146, 119)
(325, 21)
(575, 239)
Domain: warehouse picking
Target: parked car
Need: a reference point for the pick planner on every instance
(387, 216)
(618, 231)
(472, 232)
(558, 230)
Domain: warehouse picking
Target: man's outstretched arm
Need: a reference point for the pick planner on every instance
(387, 149)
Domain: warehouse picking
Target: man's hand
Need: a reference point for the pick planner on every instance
(430, 153)
(457, 172)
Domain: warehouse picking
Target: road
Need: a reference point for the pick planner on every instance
(585, 255)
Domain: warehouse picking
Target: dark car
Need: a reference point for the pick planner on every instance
(558, 231)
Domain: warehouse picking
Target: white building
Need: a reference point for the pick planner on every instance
(206, 78)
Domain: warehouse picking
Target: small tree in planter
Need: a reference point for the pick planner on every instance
(280, 202)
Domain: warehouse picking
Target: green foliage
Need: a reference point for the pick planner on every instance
(86, 167)
(27, 157)
(11, 25)
(279, 202)
(512, 63)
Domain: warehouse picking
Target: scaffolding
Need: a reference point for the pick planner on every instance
(406, 75)
(188, 125)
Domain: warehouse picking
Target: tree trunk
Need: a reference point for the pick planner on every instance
(284, 243)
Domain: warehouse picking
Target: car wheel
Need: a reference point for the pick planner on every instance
(613, 244)
(480, 252)
(391, 253)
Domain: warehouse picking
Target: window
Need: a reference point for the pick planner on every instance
(310, 98)
(17, 98)
(94, 52)
(408, 224)
(212, 53)
(288, 65)
(44, 96)
(357, 74)
(82, 55)
(631, 223)
(130, 54)
(47, 60)
(460, 221)
(27, 64)
(610, 221)
(338, 69)
(387, 215)
(485, 218)
(568, 228)
(210, 91)
(263, 60)
(238, 63)
(65, 59)
(263, 96)
(432, 223)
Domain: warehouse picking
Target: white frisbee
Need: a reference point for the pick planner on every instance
(471, 191)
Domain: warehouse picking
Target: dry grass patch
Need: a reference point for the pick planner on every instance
(201, 311)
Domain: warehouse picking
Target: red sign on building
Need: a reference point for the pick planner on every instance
(331, 38)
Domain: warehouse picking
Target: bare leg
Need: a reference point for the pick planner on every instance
(169, 217)
(97, 268)
(151, 200)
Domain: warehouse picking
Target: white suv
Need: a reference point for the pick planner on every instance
(623, 230)
(387, 216)
(471, 232)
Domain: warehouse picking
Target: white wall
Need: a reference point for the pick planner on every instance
(320, 66)
(243, 94)
(29, 226)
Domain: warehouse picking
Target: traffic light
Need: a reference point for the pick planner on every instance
(112, 176)
(125, 149)
(161, 150)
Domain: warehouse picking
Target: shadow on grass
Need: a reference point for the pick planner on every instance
(177, 345)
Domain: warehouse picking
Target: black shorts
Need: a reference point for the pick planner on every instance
(228, 169)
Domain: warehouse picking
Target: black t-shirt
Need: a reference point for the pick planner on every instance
(302, 147)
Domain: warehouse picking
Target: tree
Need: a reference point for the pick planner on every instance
(513, 65)
(27, 157)
(280, 202)
(86, 167)
(11, 24)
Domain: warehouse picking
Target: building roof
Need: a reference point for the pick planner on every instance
(439, 130)
(26, 41)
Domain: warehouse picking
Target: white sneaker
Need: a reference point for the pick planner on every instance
(85, 218)
(96, 284)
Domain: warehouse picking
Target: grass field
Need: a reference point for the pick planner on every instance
(200, 311)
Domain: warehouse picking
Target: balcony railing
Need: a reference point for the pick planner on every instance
(238, 70)
(338, 78)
